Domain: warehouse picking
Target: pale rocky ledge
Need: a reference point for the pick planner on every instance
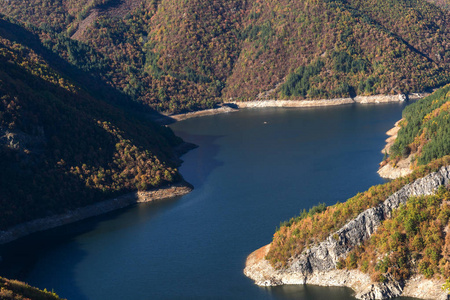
(317, 265)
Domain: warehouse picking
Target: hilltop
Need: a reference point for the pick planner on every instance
(177, 57)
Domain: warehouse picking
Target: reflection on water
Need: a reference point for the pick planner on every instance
(309, 291)
(252, 170)
(299, 292)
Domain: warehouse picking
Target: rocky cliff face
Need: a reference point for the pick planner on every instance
(23, 142)
(318, 264)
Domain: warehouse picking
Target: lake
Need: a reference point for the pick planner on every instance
(253, 169)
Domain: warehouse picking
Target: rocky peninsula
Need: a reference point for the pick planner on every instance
(317, 264)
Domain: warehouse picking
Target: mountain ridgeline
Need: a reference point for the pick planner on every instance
(73, 75)
(177, 57)
(61, 147)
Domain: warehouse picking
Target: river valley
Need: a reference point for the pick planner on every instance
(253, 169)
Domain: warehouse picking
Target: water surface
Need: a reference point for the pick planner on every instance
(252, 170)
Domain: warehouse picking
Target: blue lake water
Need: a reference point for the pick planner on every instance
(253, 169)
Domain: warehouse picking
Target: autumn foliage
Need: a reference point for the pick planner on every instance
(62, 148)
(181, 56)
(412, 242)
(425, 129)
(304, 231)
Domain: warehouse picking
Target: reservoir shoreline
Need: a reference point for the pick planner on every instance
(232, 106)
(317, 264)
(24, 229)
(403, 167)
(221, 217)
(41, 224)
(262, 272)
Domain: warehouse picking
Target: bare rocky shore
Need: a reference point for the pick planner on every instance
(402, 167)
(293, 103)
(207, 112)
(317, 265)
(233, 106)
(264, 274)
(92, 210)
(329, 102)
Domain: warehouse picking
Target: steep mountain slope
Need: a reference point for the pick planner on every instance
(15, 290)
(339, 48)
(396, 248)
(425, 129)
(186, 56)
(423, 135)
(387, 232)
(61, 147)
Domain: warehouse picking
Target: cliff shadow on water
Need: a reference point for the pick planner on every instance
(201, 161)
(243, 188)
(310, 291)
(294, 292)
(24, 259)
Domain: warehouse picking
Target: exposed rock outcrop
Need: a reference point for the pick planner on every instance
(381, 98)
(293, 103)
(23, 142)
(263, 102)
(317, 265)
(402, 167)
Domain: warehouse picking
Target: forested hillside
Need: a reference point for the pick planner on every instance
(340, 48)
(425, 132)
(414, 240)
(186, 56)
(61, 147)
(309, 228)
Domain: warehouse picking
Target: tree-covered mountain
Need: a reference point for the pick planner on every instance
(425, 129)
(177, 56)
(71, 73)
(62, 146)
(411, 241)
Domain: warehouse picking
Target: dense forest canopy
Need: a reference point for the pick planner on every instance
(62, 148)
(425, 132)
(177, 57)
(72, 74)
(412, 241)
